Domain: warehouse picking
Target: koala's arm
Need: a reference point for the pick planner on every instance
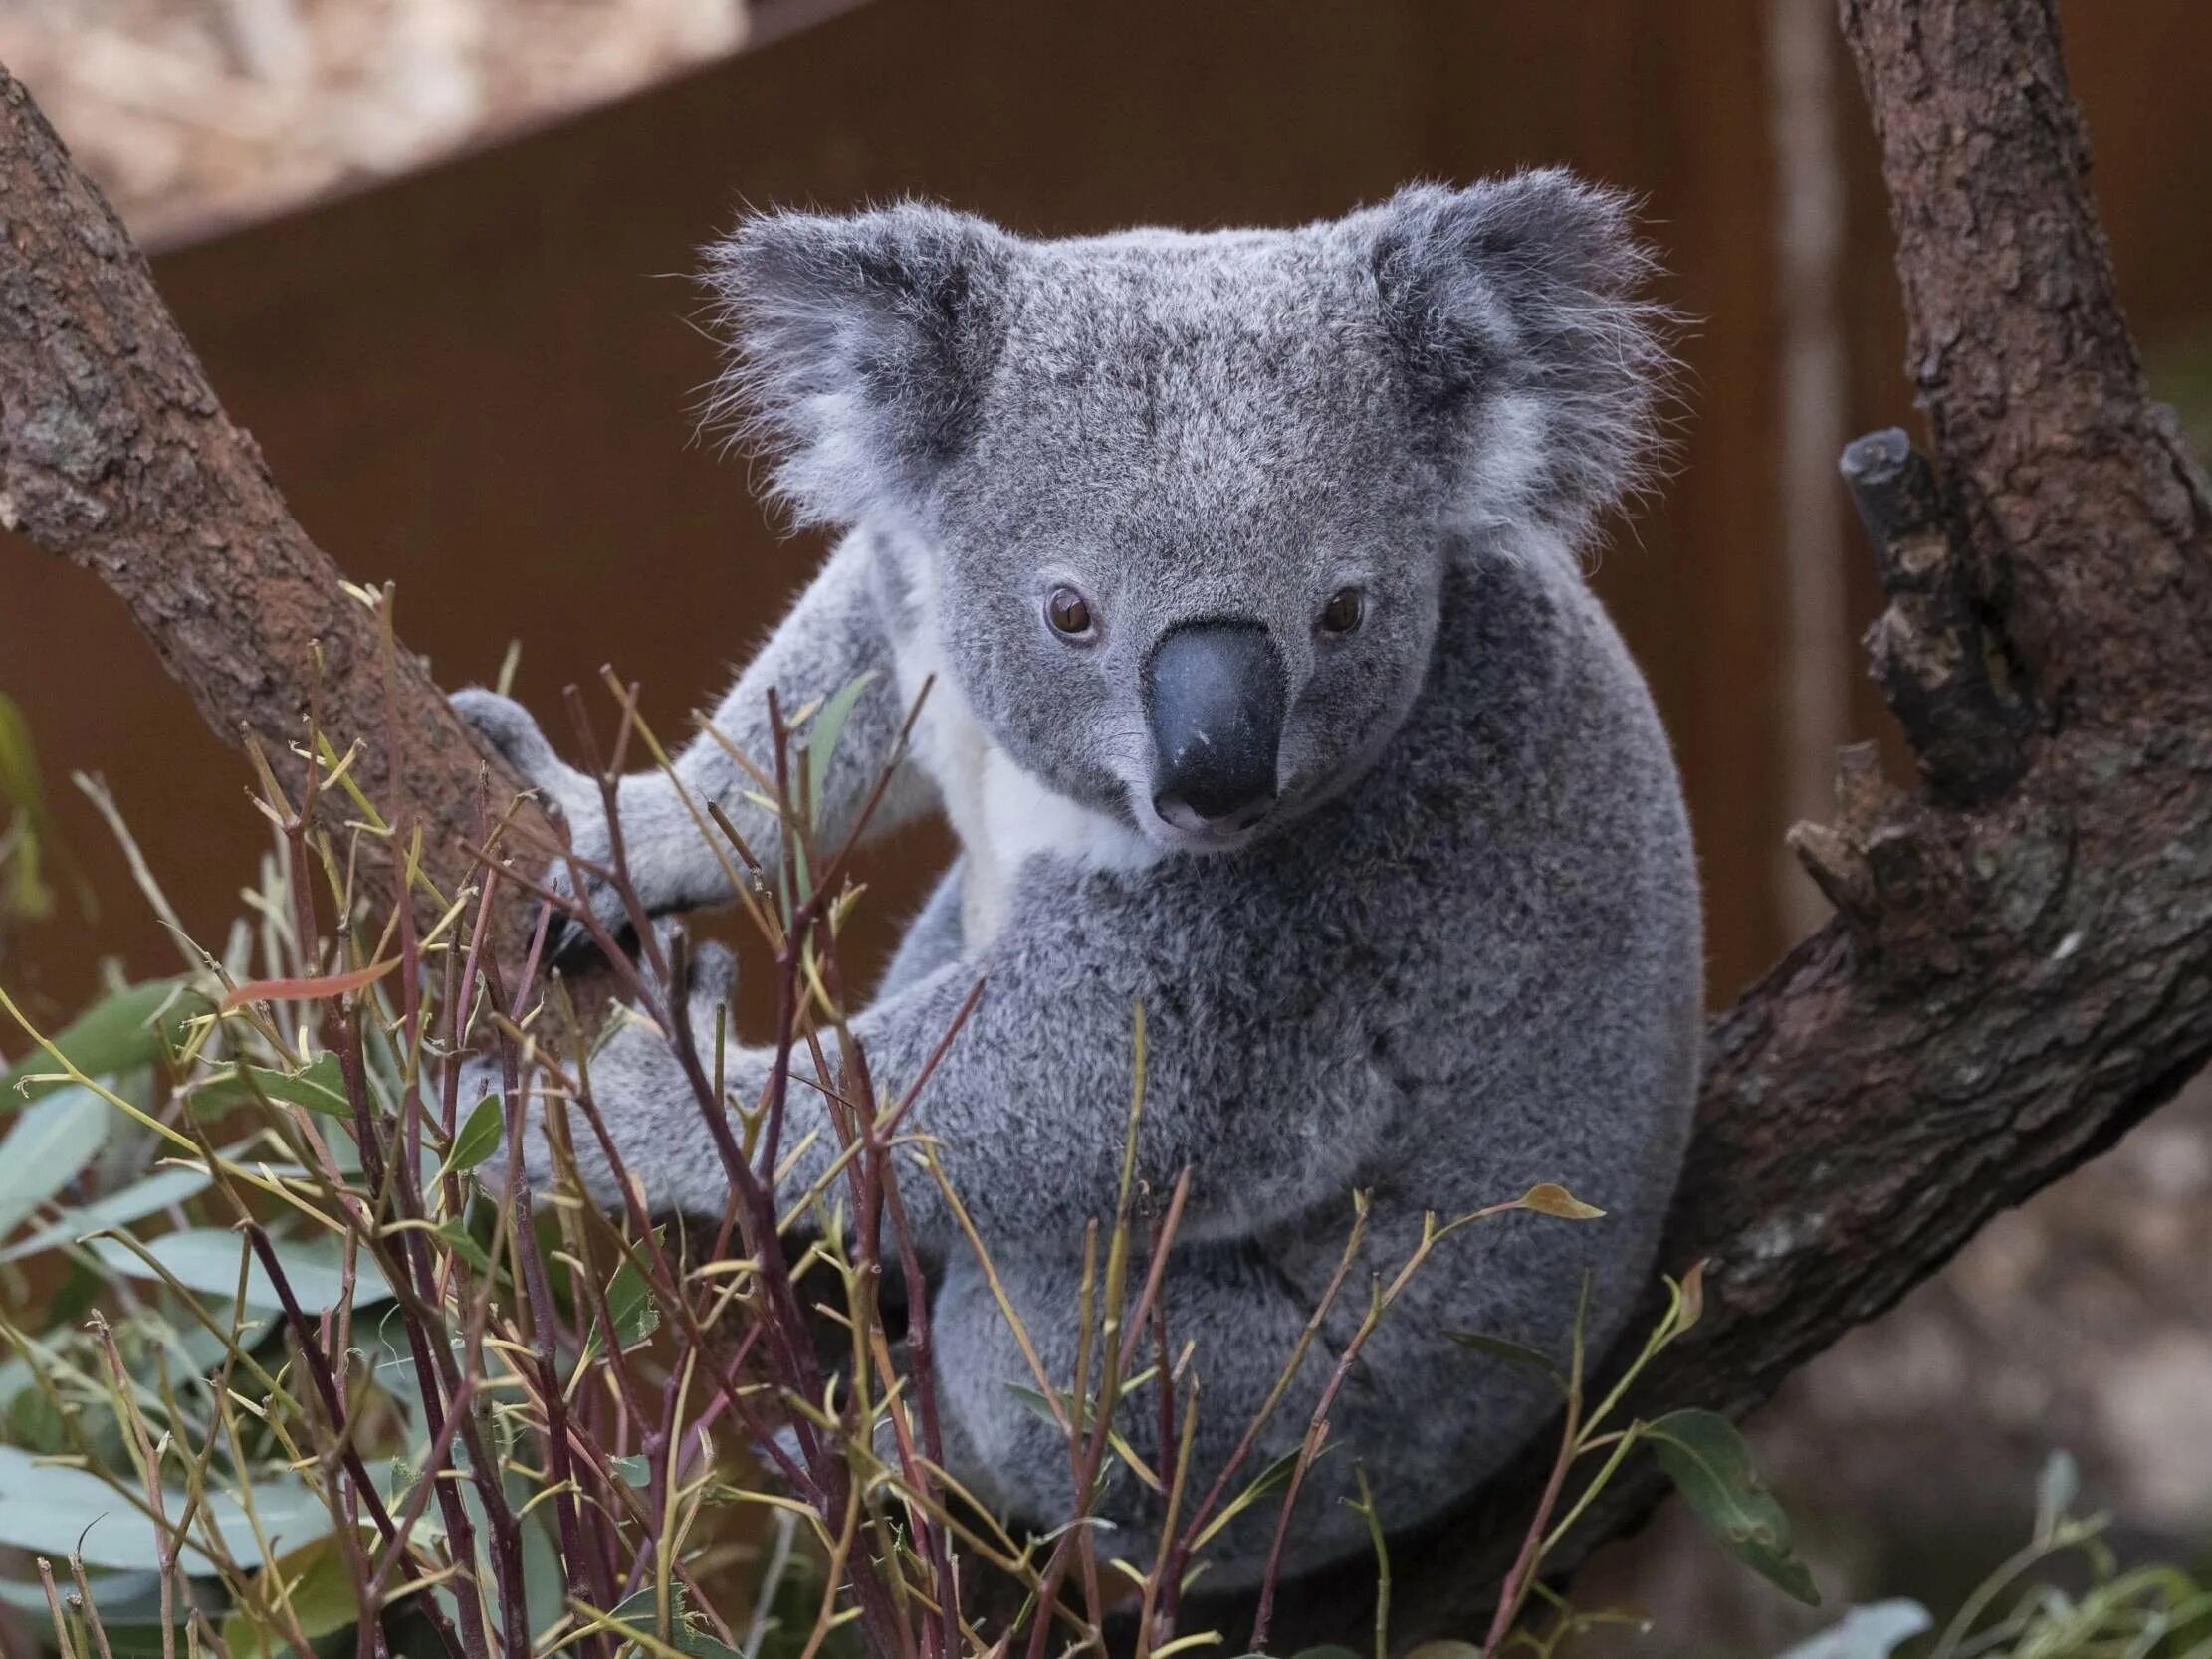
(1030, 1101)
(834, 635)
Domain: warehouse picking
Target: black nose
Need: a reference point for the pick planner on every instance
(1213, 694)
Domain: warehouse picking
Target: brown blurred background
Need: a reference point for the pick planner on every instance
(478, 378)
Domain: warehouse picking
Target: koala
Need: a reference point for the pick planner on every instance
(1267, 691)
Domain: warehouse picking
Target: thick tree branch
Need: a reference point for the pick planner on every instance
(116, 456)
(2022, 963)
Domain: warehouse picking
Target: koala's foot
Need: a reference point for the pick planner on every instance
(572, 797)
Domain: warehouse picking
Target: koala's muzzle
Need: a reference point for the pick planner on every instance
(1214, 696)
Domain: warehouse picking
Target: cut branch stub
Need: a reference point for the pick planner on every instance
(1961, 705)
(2022, 966)
(2021, 355)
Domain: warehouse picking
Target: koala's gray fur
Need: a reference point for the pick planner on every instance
(1460, 956)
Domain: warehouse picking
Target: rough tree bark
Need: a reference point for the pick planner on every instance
(116, 456)
(2020, 963)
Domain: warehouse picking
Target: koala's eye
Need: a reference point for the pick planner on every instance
(1069, 613)
(1345, 611)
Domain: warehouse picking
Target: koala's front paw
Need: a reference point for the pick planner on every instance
(512, 734)
(539, 1169)
(642, 1096)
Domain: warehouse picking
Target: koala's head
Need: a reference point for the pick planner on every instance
(1189, 501)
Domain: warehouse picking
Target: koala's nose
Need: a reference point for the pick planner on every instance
(1214, 695)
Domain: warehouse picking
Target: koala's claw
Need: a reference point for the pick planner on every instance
(568, 795)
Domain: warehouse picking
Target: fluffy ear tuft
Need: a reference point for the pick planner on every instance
(1515, 304)
(861, 344)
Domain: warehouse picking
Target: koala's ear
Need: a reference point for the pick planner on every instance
(861, 344)
(1515, 307)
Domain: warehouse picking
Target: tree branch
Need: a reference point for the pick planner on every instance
(2021, 966)
(116, 456)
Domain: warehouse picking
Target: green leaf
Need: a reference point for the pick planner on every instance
(543, 1600)
(638, 1615)
(323, 1596)
(1330, 1652)
(1083, 1414)
(1710, 1465)
(205, 1260)
(1039, 1407)
(48, 1148)
(132, 1028)
(45, 1506)
(130, 1598)
(630, 1305)
(635, 1470)
(23, 799)
(2057, 1486)
(159, 1190)
(19, 765)
(822, 741)
(1514, 1353)
(1874, 1631)
(1550, 1199)
(319, 1087)
(1277, 1475)
(479, 1137)
(455, 1238)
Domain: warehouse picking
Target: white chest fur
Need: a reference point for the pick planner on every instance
(1003, 816)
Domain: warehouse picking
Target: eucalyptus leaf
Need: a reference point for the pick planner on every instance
(1275, 1475)
(455, 1238)
(116, 1595)
(321, 1592)
(479, 1137)
(48, 1148)
(1710, 1465)
(134, 1027)
(630, 1305)
(1873, 1632)
(22, 798)
(822, 741)
(1550, 1199)
(2058, 1485)
(638, 1615)
(205, 1260)
(1514, 1353)
(19, 765)
(319, 1086)
(45, 1506)
(1038, 1407)
(542, 1572)
(157, 1192)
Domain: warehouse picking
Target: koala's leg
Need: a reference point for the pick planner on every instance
(832, 636)
(932, 938)
(1244, 1316)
